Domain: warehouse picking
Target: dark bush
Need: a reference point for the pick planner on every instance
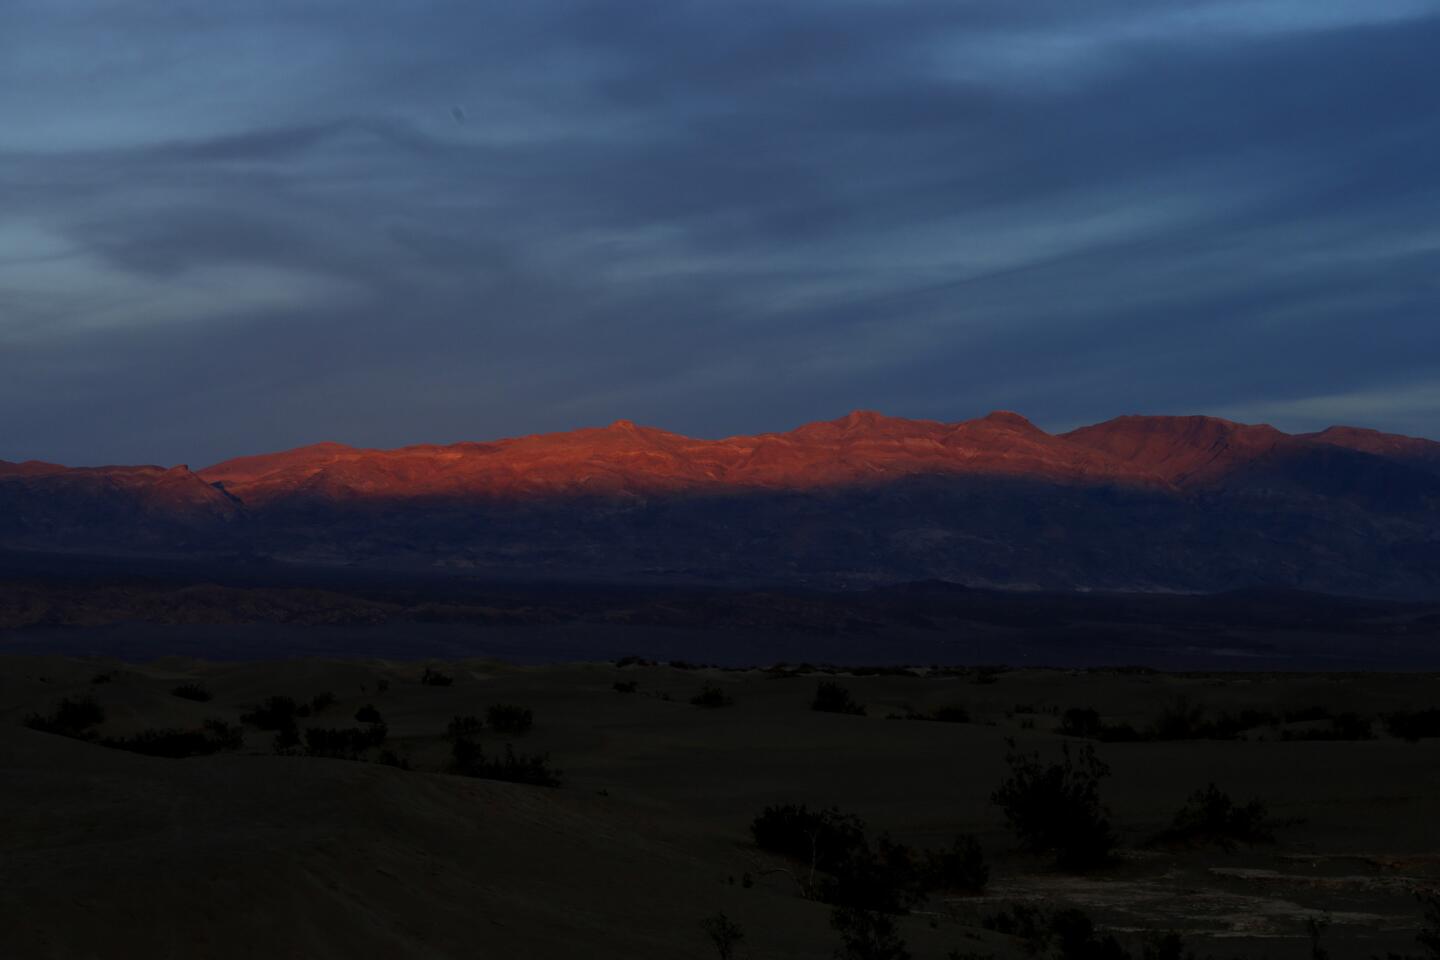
(103, 677)
(830, 697)
(961, 867)
(191, 691)
(469, 760)
(1211, 817)
(1074, 937)
(343, 743)
(1020, 920)
(724, 933)
(845, 869)
(1229, 726)
(821, 839)
(72, 717)
(888, 877)
(463, 727)
(1056, 807)
(1071, 935)
(1081, 722)
(276, 713)
(508, 718)
(950, 713)
(625, 686)
(867, 935)
(390, 758)
(1181, 720)
(1086, 722)
(213, 737)
(322, 702)
(369, 714)
(713, 697)
(1429, 935)
(1343, 726)
(1414, 725)
(434, 678)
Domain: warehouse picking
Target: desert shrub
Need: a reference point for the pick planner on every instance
(724, 933)
(1020, 920)
(469, 760)
(213, 737)
(103, 677)
(1413, 725)
(390, 758)
(625, 686)
(1304, 714)
(1071, 935)
(322, 702)
(346, 743)
(1165, 946)
(1343, 726)
(949, 713)
(1080, 722)
(276, 713)
(191, 691)
(867, 935)
(508, 718)
(961, 866)
(369, 714)
(1181, 720)
(1056, 807)
(1210, 816)
(886, 876)
(713, 697)
(72, 717)
(434, 678)
(1086, 722)
(463, 727)
(820, 838)
(834, 844)
(830, 697)
(1229, 726)
(1429, 935)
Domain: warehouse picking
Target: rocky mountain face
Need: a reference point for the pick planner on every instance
(1135, 503)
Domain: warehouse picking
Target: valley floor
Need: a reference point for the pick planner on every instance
(247, 853)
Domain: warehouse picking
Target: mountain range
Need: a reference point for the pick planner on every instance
(1149, 503)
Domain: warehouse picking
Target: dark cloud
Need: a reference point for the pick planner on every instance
(716, 218)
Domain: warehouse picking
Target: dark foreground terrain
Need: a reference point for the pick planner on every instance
(331, 847)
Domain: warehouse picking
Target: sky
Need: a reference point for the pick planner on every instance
(240, 227)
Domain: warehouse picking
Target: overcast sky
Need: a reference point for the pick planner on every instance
(234, 227)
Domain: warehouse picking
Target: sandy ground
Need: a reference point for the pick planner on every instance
(111, 854)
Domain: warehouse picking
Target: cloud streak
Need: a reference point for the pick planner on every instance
(238, 227)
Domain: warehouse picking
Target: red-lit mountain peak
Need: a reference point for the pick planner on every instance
(1180, 449)
(1415, 451)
